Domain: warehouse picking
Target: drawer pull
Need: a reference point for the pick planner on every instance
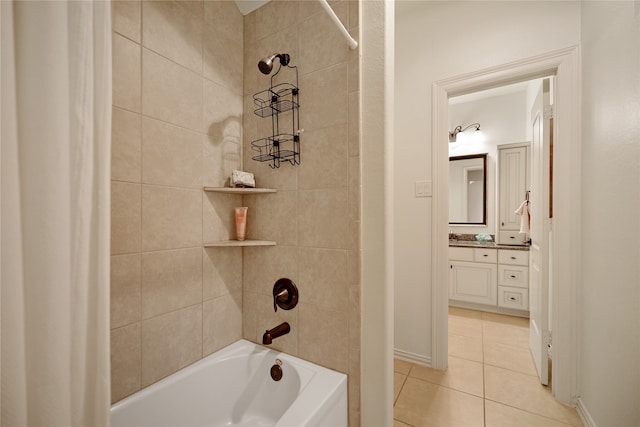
(513, 298)
(513, 257)
(512, 276)
(511, 237)
(485, 255)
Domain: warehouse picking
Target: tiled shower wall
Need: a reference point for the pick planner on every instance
(177, 114)
(315, 215)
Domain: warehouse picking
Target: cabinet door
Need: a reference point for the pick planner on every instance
(473, 282)
(512, 185)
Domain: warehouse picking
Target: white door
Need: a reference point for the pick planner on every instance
(539, 206)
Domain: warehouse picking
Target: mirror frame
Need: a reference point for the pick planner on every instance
(484, 186)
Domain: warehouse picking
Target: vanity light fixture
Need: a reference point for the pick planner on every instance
(454, 137)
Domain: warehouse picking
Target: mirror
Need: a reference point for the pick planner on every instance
(468, 189)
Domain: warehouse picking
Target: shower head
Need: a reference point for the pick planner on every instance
(266, 64)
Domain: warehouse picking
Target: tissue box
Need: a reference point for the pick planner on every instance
(242, 179)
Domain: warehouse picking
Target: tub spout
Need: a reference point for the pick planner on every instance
(278, 331)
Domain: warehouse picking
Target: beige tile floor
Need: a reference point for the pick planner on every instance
(490, 382)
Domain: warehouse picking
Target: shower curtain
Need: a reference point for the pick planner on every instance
(54, 212)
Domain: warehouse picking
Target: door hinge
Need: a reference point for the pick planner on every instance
(548, 112)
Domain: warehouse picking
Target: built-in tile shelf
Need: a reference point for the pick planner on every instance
(247, 191)
(239, 243)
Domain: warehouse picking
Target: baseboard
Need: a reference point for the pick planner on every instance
(585, 416)
(412, 357)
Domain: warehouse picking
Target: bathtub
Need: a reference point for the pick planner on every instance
(233, 387)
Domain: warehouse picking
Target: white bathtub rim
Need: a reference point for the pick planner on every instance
(315, 390)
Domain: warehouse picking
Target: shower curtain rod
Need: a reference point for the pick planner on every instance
(350, 40)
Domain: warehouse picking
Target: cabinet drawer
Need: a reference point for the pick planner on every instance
(460, 254)
(512, 275)
(508, 237)
(485, 255)
(517, 298)
(511, 257)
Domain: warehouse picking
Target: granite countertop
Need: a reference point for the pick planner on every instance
(489, 245)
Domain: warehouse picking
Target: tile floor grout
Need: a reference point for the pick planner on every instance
(436, 383)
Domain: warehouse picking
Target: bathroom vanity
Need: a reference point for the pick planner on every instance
(489, 277)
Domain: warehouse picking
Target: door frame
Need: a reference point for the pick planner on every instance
(565, 65)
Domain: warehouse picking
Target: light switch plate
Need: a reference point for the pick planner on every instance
(423, 188)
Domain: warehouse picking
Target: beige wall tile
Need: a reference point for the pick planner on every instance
(225, 16)
(323, 278)
(125, 290)
(218, 212)
(354, 317)
(221, 156)
(262, 267)
(326, 90)
(223, 58)
(220, 105)
(250, 316)
(195, 7)
(323, 218)
(355, 253)
(223, 126)
(251, 56)
(171, 280)
(354, 188)
(171, 218)
(125, 218)
(126, 18)
(222, 272)
(321, 42)
(354, 379)
(126, 73)
(170, 342)
(222, 322)
(275, 14)
(174, 32)
(125, 361)
(354, 124)
(171, 155)
(323, 337)
(354, 10)
(276, 216)
(126, 151)
(171, 92)
(326, 161)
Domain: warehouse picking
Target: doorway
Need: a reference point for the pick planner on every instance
(565, 250)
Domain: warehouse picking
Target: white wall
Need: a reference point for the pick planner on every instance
(610, 303)
(437, 40)
(502, 121)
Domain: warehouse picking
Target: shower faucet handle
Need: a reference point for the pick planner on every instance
(285, 294)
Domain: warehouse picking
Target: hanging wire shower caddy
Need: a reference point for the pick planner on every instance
(272, 102)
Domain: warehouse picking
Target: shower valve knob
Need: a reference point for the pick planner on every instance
(285, 294)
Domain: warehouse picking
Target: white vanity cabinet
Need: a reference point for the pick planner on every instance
(489, 279)
(513, 279)
(473, 275)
